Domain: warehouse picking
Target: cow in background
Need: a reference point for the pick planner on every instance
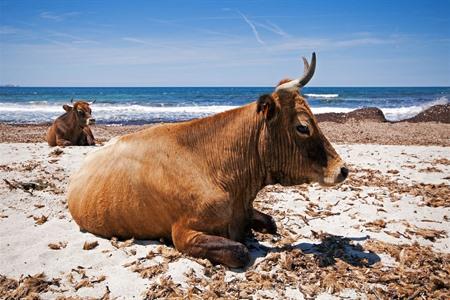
(72, 128)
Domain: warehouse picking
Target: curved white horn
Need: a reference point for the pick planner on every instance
(295, 84)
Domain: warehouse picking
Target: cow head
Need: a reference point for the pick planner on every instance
(82, 112)
(295, 149)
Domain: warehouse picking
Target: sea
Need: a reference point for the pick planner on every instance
(143, 105)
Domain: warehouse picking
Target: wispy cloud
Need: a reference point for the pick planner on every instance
(253, 27)
(295, 44)
(179, 23)
(72, 38)
(9, 30)
(272, 28)
(135, 40)
(57, 17)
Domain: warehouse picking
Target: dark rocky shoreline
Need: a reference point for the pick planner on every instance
(361, 126)
(437, 113)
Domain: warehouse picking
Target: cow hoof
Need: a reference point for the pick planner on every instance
(263, 223)
(271, 226)
(240, 257)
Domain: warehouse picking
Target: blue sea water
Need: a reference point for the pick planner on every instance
(130, 105)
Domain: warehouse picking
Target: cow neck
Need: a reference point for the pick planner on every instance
(277, 149)
(229, 143)
(71, 118)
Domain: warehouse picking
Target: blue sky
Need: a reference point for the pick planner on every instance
(223, 43)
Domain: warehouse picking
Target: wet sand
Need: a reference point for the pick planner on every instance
(352, 131)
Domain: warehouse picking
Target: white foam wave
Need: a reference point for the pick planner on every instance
(406, 112)
(119, 108)
(326, 96)
(31, 113)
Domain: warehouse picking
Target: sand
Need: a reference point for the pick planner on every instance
(350, 132)
(390, 218)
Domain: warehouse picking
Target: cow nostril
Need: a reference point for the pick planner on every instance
(344, 172)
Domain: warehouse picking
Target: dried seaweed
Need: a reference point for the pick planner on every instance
(420, 271)
(83, 283)
(26, 287)
(150, 271)
(117, 244)
(40, 220)
(164, 289)
(430, 170)
(55, 153)
(90, 245)
(57, 246)
(31, 186)
(376, 225)
(427, 233)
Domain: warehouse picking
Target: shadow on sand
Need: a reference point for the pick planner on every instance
(326, 253)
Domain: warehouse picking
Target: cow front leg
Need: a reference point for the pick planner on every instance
(90, 141)
(215, 248)
(262, 222)
(89, 136)
(62, 142)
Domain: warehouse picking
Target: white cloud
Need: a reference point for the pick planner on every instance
(9, 30)
(253, 27)
(71, 38)
(57, 17)
(135, 40)
(272, 28)
(294, 44)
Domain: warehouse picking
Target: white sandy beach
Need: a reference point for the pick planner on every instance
(395, 194)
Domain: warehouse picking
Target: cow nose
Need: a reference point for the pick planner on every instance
(91, 121)
(344, 172)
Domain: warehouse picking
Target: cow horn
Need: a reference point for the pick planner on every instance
(71, 100)
(305, 64)
(93, 101)
(294, 85)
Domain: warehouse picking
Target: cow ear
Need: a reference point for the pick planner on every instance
(67, 108)
(266, 105)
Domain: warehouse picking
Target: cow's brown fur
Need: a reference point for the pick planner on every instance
(72, 128)
(194, 182)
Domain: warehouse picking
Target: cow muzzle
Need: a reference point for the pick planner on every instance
(336, 174)
(90, 121)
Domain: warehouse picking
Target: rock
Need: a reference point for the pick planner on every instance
(362, 114)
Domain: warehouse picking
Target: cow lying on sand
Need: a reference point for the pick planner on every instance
(72, 128)
(194, 182)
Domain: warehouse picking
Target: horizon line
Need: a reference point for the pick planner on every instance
(220, 86)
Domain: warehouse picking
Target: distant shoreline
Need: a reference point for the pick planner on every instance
(363, 126)
(138, 106)
(222, 86)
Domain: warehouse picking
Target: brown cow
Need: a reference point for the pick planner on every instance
(194, 182)
(72, 128)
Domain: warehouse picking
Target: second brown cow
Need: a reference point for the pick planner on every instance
(72, 128)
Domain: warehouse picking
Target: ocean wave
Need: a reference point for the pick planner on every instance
(4, 107)
(323, 110)
(107, 113)
(113, 114)
(326, 96)
(406, 112)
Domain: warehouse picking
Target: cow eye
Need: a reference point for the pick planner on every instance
(80, 112)
(303, 129)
